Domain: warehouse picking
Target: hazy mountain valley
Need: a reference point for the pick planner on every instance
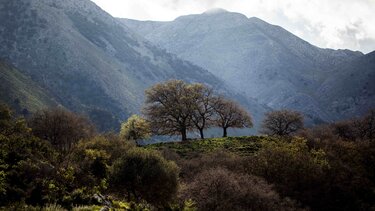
(106, 113)
(266, 62)
(87, 60)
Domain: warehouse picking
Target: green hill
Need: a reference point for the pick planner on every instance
(19, 91)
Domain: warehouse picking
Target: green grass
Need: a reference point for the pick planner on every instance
(239, 145)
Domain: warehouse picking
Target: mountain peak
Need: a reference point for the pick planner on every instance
(213, 11)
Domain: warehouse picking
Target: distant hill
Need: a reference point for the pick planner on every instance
(20, 92)
(260, 60)
(350, 90)
(90, 62)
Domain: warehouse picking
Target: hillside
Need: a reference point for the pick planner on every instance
(350, 91)
(21, 92)
(87, 60)
(261, 60)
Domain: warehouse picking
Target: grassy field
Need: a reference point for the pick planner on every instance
(239, 145)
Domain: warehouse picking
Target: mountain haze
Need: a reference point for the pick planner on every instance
(261, 60)
(87, 60)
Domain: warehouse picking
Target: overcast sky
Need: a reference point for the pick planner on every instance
(344, 24)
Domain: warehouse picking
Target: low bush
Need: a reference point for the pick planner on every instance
(221, 189)
(144, 174)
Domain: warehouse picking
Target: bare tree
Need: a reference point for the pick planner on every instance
(230, 114)
(282, 122)
(169, 107)
(60, 127)
(203, 107)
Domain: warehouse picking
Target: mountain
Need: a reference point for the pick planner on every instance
(19, 91)
(261, 60)
(88, 61)
(350, 91)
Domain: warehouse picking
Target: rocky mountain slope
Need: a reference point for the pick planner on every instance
(87, 60)
(261, 60)
(350, 91)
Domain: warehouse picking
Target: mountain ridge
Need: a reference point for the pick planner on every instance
(264, 61)
(88, 60)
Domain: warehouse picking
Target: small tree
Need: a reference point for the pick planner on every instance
(230, 114)
(169, 107)
(203, 107)
(61, 128)
(282, 123)
(135, 128)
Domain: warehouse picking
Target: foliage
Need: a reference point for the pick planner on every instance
(25, 161)
(356, 129)
(92, 158)
(169, 107)
(144, 174)
(220, 189)
(237, 145)
(291, 165)
(203, 111)
(175, 107)
(282, 123)
(108, 146)
(61, 128)
(230, 114)
(321, 170)
(135, 128)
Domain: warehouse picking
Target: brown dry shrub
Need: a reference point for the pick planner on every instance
(193, 166)
(221, 189)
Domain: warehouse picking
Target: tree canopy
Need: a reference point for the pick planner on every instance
(176, 107)
(230, 114)
(60, 127)
(282, 122)
(135, 128)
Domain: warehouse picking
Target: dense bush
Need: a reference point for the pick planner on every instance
(25, 162)
(221, 189)
(294, 168)
(145, 174)
(61, 128)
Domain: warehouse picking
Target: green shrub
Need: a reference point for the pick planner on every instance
(145, 174)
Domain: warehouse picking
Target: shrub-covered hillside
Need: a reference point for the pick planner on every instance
(57, 161)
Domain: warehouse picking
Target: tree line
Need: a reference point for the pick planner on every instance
(176, 107)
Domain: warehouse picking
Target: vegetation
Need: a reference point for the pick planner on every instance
(282, 123)
(135, 128)
(222, 189)
(56, 161)
(61, 128)
(175, 107)
(142, 174)
(230, 114)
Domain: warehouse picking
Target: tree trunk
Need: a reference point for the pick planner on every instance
(183, 134)
(201, 132)
(224, 132)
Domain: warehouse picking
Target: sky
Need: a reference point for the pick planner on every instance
(337, 24)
